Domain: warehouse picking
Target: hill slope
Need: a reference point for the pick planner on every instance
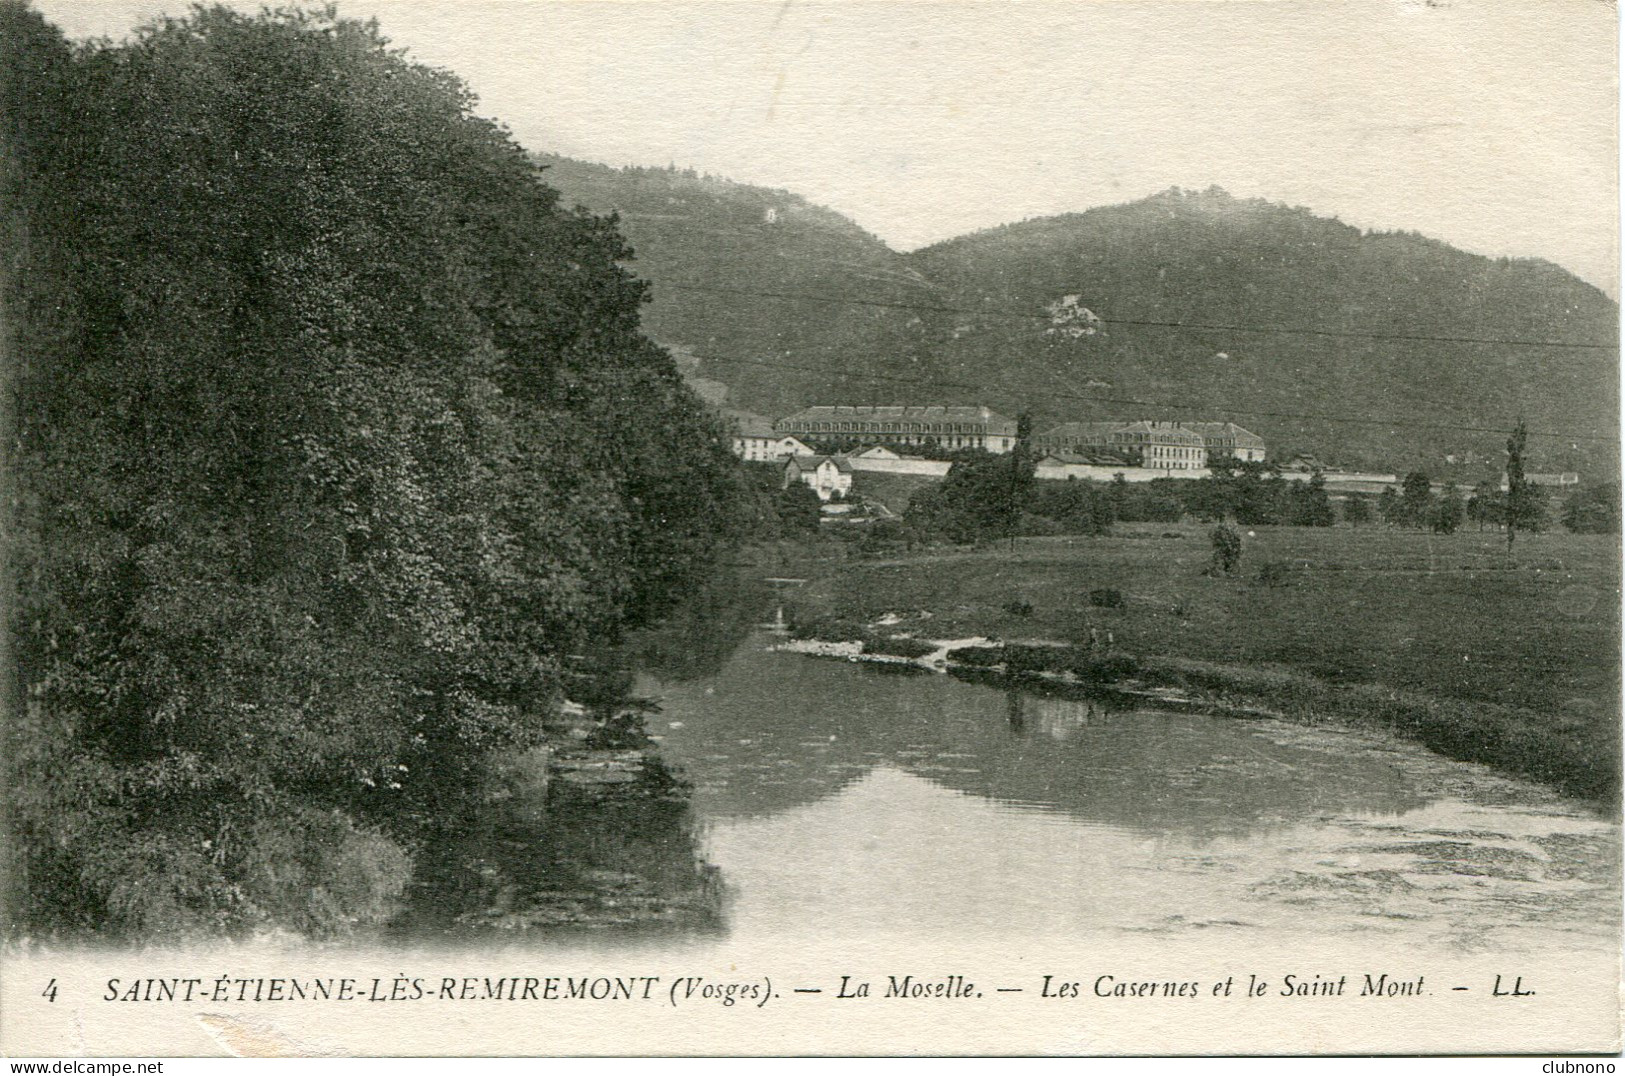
(702, 240)
(1209, 259)
(787, 303)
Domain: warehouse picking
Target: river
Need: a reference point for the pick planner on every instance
(763, 793)
(865, 800)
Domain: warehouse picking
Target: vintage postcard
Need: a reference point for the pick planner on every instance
(860, 528)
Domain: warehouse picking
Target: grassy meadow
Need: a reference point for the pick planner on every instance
(1509, 658)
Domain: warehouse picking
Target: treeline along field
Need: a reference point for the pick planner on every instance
(332, 436)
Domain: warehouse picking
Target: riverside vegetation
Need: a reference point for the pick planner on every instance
(332, 438)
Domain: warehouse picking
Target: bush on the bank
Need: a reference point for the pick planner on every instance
(1101, 668)
(897, 646)
(978, 656)
(1020, 659)
(826, 627)
(1080, 661)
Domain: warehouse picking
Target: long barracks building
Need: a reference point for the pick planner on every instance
(1172, 446)
(943, 427)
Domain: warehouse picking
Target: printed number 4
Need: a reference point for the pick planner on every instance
(49, 993)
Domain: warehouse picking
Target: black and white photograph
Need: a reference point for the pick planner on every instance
(560, 528)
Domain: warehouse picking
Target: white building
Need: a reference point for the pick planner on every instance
(755, 440)
(1163, 446)
(947, 428)
(1168, 446)
(828, 476)
(1228, 439)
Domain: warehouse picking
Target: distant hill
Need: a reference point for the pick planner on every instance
(1208, 258)
(965, 320)
(697, 232)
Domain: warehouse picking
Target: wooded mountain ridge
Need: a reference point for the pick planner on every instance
(787, 303)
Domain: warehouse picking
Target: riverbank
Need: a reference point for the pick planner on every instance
(1441, 639)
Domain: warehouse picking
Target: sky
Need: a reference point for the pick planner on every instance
(1489, 124)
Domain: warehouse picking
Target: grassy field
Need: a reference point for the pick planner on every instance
(1445, 618)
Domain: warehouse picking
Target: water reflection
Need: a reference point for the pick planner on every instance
(594, 834)
(704, 632)
(775, 731)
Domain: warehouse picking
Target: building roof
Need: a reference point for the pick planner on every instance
(749, 424)
(1225, 429)
(1171, 430)
(926, 413)
(812, 463)
(1100, 430)
(1079, 430)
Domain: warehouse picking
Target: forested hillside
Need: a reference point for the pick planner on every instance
(1207, 258)
(758, 282)
(968, 320)
(334, 435)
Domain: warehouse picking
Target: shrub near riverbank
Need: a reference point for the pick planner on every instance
(875, 640)
(1438, 637)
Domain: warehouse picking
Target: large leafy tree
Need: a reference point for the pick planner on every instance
(1415, 499)
(338, 434)
(1593, 509)
(1308, 504)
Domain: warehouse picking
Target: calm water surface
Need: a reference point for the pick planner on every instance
(854, 799)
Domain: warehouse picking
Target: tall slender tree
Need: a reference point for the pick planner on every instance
(1519, 510)
(1022, 470)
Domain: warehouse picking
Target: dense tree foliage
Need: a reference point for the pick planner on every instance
(1449, 511)
(797, 509)
(1415, 507)
(1078, 507)
(335, 433)
(972, 504)
(1388, 506)
(1593, 510)
(1308, 505)
(1484, 504)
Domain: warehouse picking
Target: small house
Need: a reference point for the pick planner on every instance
(829, 476)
